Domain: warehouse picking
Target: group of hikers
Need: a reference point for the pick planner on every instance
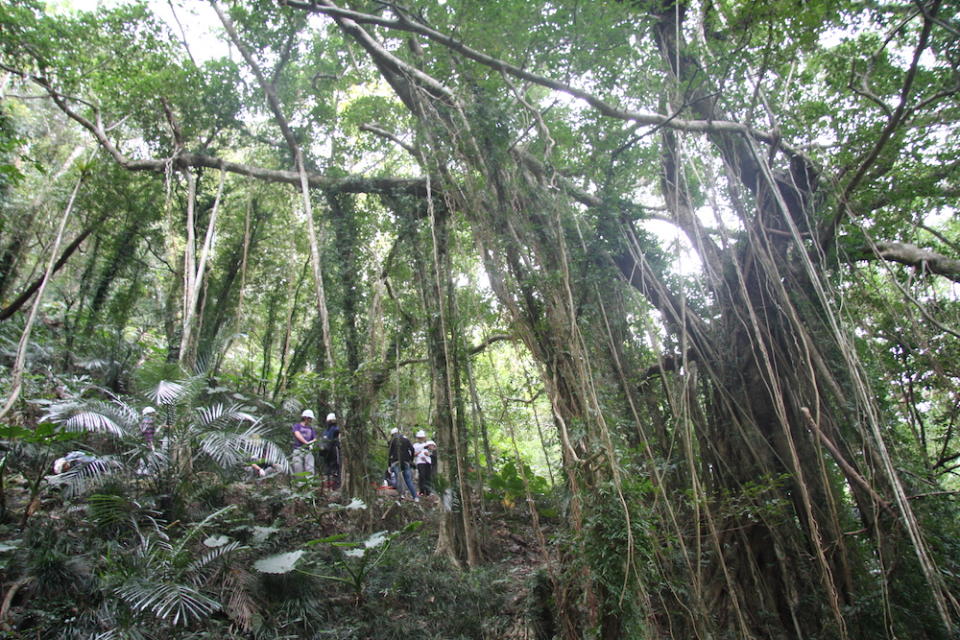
(403, 456)
(306, 439)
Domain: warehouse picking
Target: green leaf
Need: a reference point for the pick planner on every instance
(330, 539)
(260, 534)
(216, 541)
(279, 563)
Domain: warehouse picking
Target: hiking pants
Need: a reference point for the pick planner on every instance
(424, 477)
(404, 468)
(302, 460)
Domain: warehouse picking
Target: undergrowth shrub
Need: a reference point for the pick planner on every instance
(619, 552)
(422, 595)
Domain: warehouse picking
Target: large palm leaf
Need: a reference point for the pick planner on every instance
(169, 392)
(231, 436)
(114, 418)
(166, 579)
(86, 477)
(173, 602)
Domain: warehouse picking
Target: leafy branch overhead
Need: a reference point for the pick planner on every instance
(670, 286)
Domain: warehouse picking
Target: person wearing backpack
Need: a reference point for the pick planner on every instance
(400, 459)
(331, 451)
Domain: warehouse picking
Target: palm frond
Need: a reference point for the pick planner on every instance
(94, 422)
(121, 634)
(148, 459)
(108, 510)
(155, 549)
(167, 392)
(199, 570)
(223, 448)
(233, 436)
(85, 477)
(171, 602)
(241, 606)
(96, 364)
(257, 446)
(219, 416)
(115, 418)
(269, 451)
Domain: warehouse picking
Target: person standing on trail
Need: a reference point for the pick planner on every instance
(400, 459)
(148, 427)
(304, 436)
(423, 454)
(331, 454)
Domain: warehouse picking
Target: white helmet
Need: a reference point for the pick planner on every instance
(148, 410)
(307, 414)
(421, 434)
(331, 417)
(394, 431)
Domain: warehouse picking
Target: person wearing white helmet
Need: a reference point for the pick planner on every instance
(331, 453)
(148, 427)
(423, 455)
(304, 435)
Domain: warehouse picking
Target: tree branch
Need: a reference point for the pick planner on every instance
(893, 122)
(185, 160)
(497, 337)
(913, 256)
(383, 133)
(405, 23)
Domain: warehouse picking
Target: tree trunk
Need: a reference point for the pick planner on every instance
(14, 249)
(27, 293)
(195, 281)
(16, 373)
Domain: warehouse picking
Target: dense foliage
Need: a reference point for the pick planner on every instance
(673, 282)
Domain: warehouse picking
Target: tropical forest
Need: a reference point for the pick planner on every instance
(480, 319)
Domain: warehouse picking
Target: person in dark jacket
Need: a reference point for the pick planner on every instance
(331, 451)
(400, 458)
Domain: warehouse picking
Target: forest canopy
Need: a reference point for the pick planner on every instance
(675, 280)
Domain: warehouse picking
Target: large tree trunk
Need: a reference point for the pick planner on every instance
(356, 434)
(457, 539)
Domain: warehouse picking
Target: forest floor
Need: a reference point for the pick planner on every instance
(71, 556)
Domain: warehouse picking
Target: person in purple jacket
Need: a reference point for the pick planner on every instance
(304, 435)
(148, 427)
